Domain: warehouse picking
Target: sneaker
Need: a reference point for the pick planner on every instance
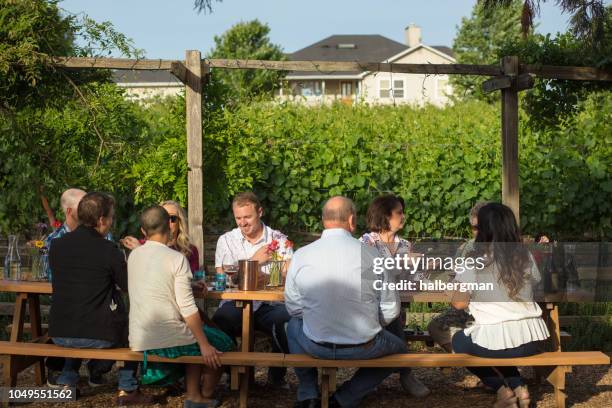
(413, 385)
(52, 377)
(95, 381)
(136, 397)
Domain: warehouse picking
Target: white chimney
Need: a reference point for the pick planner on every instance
(412, 35)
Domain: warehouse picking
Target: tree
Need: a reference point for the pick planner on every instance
(587, 21)
(551, 102)
(478, 41)
(247, 40)
(34, 30)
(58, 128)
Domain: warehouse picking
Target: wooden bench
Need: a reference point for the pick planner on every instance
(238, 361)
(555, 364)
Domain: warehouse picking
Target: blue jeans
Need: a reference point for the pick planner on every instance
(509, 376)
(397, 328)
(70, 373)
(363, 382)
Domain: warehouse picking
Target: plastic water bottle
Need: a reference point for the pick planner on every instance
(12, 262)
(220, 282)
(198, 275)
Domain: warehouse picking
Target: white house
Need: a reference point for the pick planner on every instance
(370, 87)
(144, 84)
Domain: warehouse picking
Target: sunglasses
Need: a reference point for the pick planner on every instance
(174, 218)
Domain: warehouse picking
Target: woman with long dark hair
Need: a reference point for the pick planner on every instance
(507, 322)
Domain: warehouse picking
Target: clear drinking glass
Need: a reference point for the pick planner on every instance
(12, 262)
(230, 268)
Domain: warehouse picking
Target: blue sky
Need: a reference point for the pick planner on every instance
(166, 28)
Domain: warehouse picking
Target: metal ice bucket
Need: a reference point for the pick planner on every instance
(248, 273)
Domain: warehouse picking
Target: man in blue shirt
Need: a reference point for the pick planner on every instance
(334, 311)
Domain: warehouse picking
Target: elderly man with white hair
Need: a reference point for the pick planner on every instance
(334, 315)
(69, 201)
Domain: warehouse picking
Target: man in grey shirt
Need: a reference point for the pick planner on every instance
(333, 314)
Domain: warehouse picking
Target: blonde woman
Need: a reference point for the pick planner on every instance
(179, 235)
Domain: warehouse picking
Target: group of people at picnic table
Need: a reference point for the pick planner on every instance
(327, 312)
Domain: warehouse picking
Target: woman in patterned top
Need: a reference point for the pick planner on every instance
(385, 218)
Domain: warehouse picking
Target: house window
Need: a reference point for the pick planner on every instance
(398, 88)
(346, 89)
(384, 86)
(309, 88)
(387, 92)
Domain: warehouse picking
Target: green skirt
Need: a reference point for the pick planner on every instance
(164, 374)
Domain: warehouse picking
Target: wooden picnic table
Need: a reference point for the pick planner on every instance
(26, 292)
(29, 292)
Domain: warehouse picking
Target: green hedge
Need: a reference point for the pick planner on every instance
(440, 160)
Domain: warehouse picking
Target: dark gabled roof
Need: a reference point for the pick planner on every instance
(142, 76)
(367, 48)
(336, 48)
(444, 50)
(370, 48)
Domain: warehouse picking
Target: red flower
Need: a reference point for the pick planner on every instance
(288, 244)
(57, 224)
(273, 246)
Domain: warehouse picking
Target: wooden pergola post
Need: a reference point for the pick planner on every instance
(195, 185)
(509, 134)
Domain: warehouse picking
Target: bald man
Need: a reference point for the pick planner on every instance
(334, 316)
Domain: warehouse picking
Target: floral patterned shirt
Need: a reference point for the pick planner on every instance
(390, 302)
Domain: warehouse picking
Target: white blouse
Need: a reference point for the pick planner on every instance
(500, 322)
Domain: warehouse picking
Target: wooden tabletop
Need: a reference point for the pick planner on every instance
(230, 294)
(235, 294)
(44, 288)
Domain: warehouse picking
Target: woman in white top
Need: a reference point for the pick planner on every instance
(507, 323)
(385, 219)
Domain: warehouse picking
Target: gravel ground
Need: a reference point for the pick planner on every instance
(586, 387)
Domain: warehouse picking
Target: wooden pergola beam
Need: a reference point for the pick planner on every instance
(354, 66)
(541, 71)
(571, 73)
(113, 63)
